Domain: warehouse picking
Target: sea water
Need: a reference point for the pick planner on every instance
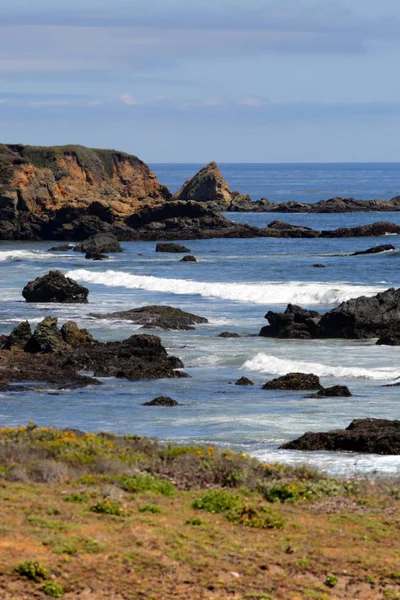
(233, 284)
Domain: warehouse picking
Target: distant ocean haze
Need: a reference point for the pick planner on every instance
(303, 182)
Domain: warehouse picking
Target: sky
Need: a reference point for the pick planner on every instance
(185, 81)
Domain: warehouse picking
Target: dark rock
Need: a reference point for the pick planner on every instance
(163, 317)
(337, 391)
(286, 230)
(162, 401)
(390, 340)
(20, 336)
(55, 287)
(64, 248)
(294, 381)
(100, 243)
(319, 266)
(375, 250)
(95, 256)
(228, 334)
(294, 323)
(189, 258)
(378, 229)
(171, 248)
(208, 186)
(244, 381)
(371, 436)
(75, 337)
(47, 337)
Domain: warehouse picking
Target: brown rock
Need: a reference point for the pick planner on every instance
(208, 186)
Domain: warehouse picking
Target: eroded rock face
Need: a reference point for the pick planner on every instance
(371, 436)
(294, 381)
(163, 317)
(207, 186)
(55, 287)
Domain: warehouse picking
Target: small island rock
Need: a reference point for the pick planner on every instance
(294, 381)
(55, 287)
(162, 401)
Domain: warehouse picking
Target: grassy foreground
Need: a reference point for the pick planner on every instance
(105, 517)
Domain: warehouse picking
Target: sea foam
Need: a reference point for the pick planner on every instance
(296, 292)
(267, 363)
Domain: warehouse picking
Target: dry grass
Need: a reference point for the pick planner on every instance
(148, 543)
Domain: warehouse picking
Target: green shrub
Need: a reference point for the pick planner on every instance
(32, 569)
(331, 581)
(147, 483)
(216, 501)
(76, 498)
(107, 507)
(259, 516)
(150, 508)
(294, 491)
(196, 522)
(53, 589)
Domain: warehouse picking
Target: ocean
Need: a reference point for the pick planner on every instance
(234, 283)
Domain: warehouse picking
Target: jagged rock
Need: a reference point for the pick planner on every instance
(371, 436)
(294, 381)
(244, 381)
(207, 185)
(95, 256)
(55, 287)
(163, 317)
(47, 337)
(75, 337)
(295, 322)
(171, 248)
(336, 391)
(162, 401)
(375, 250)
(189, 258)
(228, 334)
(20, 336)
(100, 243)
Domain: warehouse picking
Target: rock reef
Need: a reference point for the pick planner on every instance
(162, 317)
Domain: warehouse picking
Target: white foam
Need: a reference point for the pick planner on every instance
(10, 255)
(267, 363)
(296, 292)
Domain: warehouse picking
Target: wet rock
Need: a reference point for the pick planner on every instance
(319, 266)
(390, 340)
(294, 323)
(100, 243)
(378, 229)
(208, 186)
(75, 337)
(228, 334)
(287, 230)
(336, 391)
(55, 287)
(170, 247)
(371, 436)
(189, 258)
(95, 256)
(163, 317)
(244, 381)
(162, 401)
(64, 248)
(20, 336)
(375, 250)
(294, 381)
(47, 337)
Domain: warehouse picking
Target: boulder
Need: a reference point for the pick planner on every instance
(375, 250)
(228, 334)
(55, 287)
(244, 381)
(336, 391)
(47, 337)
(162, 317)
(370, 436)
(170, 247)
(294, 381)
(75, 337)
(295, 322)
(100, 243)
(208, 186)
(20, 336)
(189, 258)
(162, 401)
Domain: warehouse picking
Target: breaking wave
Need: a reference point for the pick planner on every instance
(296, 292)
(267, 363)
(18, 255)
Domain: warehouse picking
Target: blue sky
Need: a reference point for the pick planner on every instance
(225, 80)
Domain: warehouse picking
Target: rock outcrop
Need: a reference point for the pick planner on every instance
(162, 317)
(333, 205)
(371, 436)
(55, 287)
(375, 250)
(244, 381)
(207, 186)
(359, 318)
(294, 381)
(100, 243)
(173, 248)
(57, 356)
(161, 401)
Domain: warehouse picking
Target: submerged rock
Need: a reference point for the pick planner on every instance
(228, 334)
(64, 248)
(375, 250)
(95, 256)
(163, 317)
(170, 247)
(319, 266)
(371, 436)
(162, 401)
(244, 381)
(336, 391)
(55, 287)
(294, 381)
